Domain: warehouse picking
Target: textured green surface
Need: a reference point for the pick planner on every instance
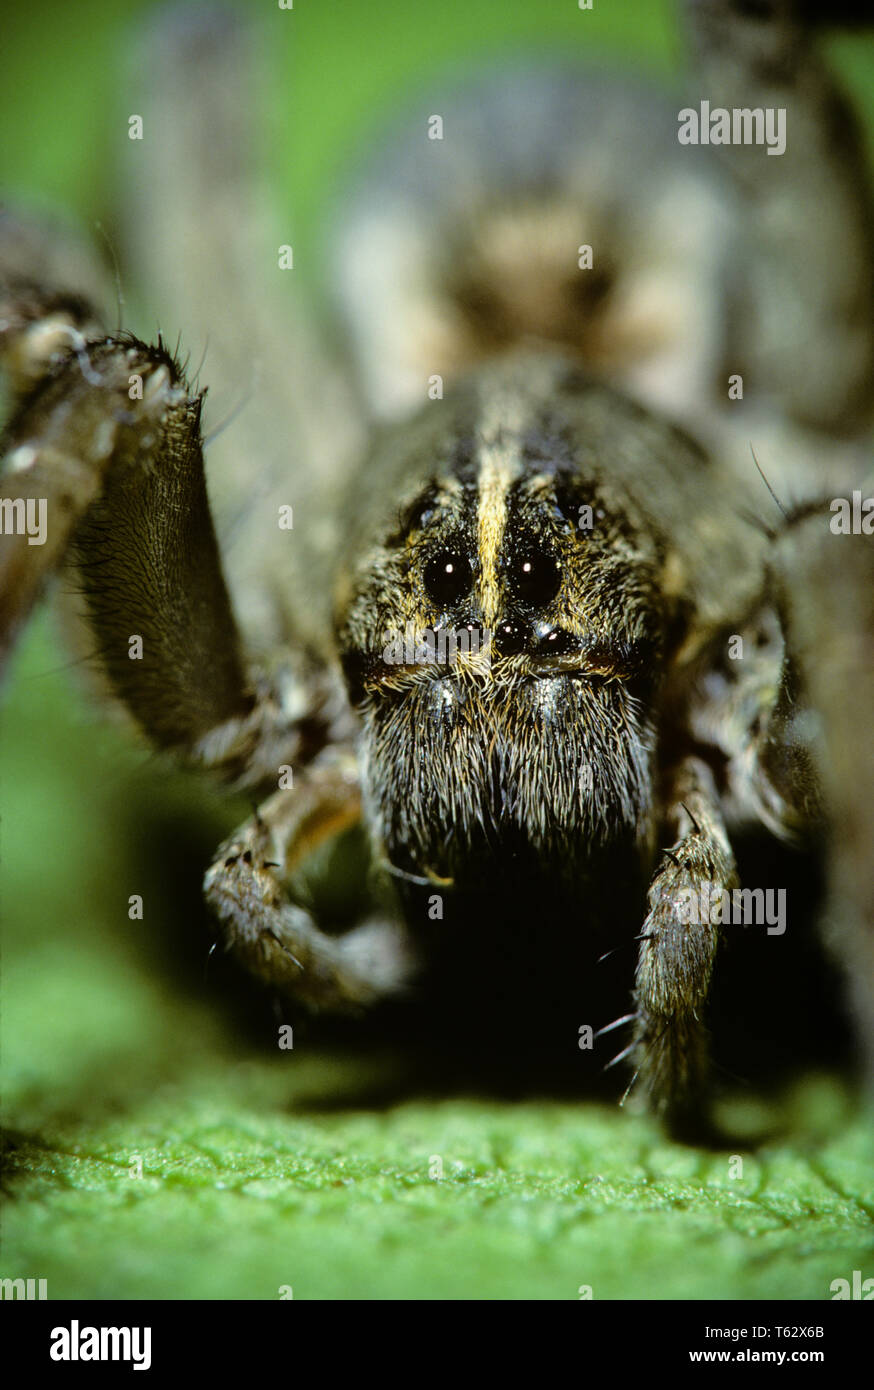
(309, 1169)
(244, 1190)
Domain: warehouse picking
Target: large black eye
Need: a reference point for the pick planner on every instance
(447, 577)
(536, 577)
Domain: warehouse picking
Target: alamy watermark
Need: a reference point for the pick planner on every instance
(75, 1343)
(744, 125)
(24, 1288)
(21, 516)
(852, 516)
(743, 907)
(440, 646)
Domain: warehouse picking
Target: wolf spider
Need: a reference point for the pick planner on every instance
(671, 653)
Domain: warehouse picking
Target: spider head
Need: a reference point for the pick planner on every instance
(501, 637)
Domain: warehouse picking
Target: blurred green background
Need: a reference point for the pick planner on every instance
(122, 1053)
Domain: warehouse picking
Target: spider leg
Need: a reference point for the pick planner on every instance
(205, 234)
(756, 711)
(798, 742)
(43, 490)
(105, 451)
(678, 949)
(808, 320)
(277, 940)
(103, 470)
(827, 596)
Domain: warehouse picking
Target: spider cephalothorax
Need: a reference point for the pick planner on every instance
(532, 530)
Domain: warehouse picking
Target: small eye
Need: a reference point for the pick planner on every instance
(536, 578)
(447, 577)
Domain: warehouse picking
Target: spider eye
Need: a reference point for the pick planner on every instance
(536, 577)
(447, 577)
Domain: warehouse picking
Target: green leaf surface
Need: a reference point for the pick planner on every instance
(218, 1180)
